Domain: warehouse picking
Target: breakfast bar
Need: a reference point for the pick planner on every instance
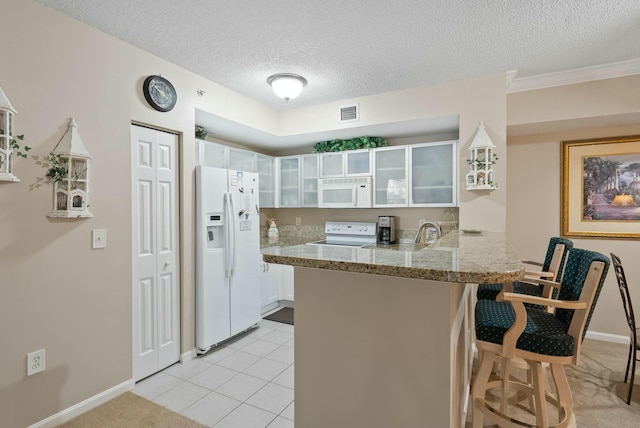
(383, 333)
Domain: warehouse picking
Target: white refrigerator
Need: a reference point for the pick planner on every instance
(227, 254)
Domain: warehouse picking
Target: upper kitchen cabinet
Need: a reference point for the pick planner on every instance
(331, 165)
(310, 180)
(222, 156)
(211, 154)
(358, 162)
(349, 163)
(289, 170)
(241, 160)
(433, 174)
(266, 176)
(390, 176)
(298, 181)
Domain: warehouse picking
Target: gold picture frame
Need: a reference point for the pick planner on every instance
(601, 188)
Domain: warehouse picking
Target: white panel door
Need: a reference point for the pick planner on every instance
(156, 285)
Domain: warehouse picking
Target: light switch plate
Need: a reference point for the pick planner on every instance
(99, 238)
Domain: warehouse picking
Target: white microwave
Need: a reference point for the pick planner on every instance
(349, 192)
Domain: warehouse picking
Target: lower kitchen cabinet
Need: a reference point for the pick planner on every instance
(287, 283)
(276, 286)
(270, 282)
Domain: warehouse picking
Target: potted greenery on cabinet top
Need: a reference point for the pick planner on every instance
(351, 144)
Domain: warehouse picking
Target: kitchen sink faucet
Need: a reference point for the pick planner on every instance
(423, 226)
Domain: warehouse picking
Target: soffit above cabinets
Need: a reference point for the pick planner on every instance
(233, 132)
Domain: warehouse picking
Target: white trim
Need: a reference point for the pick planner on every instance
(84, 406)
(606, 337)
(188, 356)
(578, 75)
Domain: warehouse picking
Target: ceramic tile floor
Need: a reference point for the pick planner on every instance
(246, 383)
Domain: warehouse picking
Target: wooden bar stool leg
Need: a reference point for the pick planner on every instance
(506, 374)
(565, 399)
(539, 394)
(480, 386)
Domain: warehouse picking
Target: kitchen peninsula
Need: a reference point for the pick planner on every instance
(383, 334)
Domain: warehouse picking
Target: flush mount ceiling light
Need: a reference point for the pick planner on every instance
(287, 85)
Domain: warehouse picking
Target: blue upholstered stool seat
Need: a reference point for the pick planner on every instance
(491, 291)
(544, 334)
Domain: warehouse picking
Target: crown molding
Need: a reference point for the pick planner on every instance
(578, 75)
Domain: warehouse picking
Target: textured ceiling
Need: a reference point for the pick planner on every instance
(349, 49)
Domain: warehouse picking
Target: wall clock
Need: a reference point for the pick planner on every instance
(159, 93)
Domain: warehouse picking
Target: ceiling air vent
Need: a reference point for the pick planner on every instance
(349, 113)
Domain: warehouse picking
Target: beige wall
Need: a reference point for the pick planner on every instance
(75, 302)
(57, 293)
(534, 175)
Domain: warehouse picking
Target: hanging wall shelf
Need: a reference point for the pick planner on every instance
(69, 164)
(480, 176)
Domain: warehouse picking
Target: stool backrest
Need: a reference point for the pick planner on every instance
(583, 278)
(624, 293)
(556, 256)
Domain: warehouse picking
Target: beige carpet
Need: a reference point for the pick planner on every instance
(599, 395)
(130, 410)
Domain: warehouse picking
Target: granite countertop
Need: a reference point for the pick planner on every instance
(457, 257)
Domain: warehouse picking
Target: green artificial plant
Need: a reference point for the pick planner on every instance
(364, 142)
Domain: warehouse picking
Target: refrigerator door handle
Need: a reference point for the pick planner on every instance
(227, 236)
(232, 229)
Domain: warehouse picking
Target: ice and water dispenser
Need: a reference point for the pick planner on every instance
(215, 231)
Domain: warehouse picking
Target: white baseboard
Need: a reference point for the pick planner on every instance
(189, 355)
(84, 406)
(606, 337)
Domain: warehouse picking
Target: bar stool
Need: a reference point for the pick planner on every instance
(507, 329)
(634, 332)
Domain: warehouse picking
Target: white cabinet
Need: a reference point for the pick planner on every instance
(221, 156)
(276, 285)
(331, 165)
(309, 181)
(390, 177)
(241, 160)
(350, 163)
(266, 176)
(289, 188)
(298, 178)
(357, 162)
(271, 284)
(287, 283)
(211, 154)
(433, 174)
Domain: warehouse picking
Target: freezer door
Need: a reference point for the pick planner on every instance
(212, 282)
(245, 250)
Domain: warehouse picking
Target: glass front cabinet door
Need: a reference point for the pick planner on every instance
(358, 162)
(331, 165)
(310, 180)
(241, 160)
(433, 174)
(289, 181)
(266, 176)
(390, 177)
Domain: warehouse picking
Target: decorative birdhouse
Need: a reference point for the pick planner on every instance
(480, 176)
(6, 138)
(69, 164)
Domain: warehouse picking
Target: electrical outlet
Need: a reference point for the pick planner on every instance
(35, 362)
(298, 221)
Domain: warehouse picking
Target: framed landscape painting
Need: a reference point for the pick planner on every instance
(601, 188)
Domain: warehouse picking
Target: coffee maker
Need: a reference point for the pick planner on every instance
(386, 229)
